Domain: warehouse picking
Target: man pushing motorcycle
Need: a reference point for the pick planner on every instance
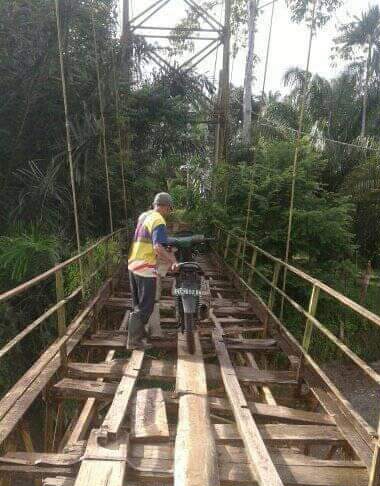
(147, 247)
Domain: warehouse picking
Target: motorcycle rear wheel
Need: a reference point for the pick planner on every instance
(189, 333)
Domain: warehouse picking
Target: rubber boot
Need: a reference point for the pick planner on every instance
(136, 333)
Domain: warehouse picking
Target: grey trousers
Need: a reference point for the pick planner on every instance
(143, 291)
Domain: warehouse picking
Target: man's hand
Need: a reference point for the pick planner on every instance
(164, 255)
(175, 267)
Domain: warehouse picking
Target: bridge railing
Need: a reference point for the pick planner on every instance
(244, 258)
(84, 268)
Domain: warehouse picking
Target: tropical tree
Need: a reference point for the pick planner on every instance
(300, 9)
(360, 41)
(318, 93)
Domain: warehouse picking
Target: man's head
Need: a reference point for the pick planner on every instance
(163, 203)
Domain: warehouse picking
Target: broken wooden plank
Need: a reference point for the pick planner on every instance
(149, 420)
(115, 416)
(83, 389)
(89, 409)
(103, 466)
(158, 464)
(260, 463)
(40, 458)
(195, 443)
(166, 371)
(231, 474)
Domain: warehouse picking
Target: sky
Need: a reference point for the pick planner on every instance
(288, 47)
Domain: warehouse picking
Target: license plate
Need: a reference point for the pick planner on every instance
(195, 292)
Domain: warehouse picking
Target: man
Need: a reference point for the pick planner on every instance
(147, 247)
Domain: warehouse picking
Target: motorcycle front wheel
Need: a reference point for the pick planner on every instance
(189, 333)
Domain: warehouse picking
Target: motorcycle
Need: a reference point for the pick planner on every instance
(189, 287)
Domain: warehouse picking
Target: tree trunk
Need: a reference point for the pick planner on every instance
(365, 95)
(252, 6)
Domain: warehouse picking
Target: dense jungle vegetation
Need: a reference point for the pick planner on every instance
(337, 205)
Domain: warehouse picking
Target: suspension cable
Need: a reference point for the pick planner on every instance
(101, 106)
(297, 150)
(250, 194)
(268, 51)
(68, 137)
(121, 150)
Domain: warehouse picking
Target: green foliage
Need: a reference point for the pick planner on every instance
(301, 10)
(26, 252)
(323, 221)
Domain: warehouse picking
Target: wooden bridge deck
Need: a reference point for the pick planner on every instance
(245, 409)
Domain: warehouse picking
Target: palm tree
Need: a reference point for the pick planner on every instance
(364, 34)
(318, 97)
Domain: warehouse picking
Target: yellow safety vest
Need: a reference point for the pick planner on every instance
(142, 259)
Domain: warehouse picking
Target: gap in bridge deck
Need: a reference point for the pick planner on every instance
(302, 442)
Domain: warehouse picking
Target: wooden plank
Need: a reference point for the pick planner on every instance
(268, 396)
(239, 475)
(293, 470)
(251, 344)
(115, 342)
(38, 458)
(346, 428)
(277, 412)
(61, 481)
(357, 432)
(260, 463)
(282, 433)
(195, 443)
(58, 481)
(83, 389)
(237, 455)
(103, 466)
(229, 320)
(151, 370)
(119, 342)
(149, 420)
(39, 471)
(17, 401)
(234, 311)
(252, 375)
(115, 416)
(30, 393)
(275, 434)
(237, 330)
(89, 409)
(166, 371)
